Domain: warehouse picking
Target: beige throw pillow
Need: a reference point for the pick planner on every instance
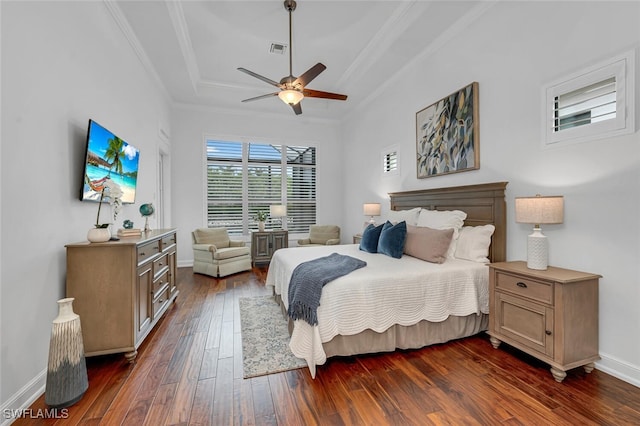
(427, 243)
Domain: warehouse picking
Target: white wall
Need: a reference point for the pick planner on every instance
(190, 127)
(512, 51)
(62, 63)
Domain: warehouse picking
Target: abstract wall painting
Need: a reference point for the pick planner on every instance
(447, 134)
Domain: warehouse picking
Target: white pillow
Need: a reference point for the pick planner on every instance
(409, 216)
(444, 219)
(473, 243)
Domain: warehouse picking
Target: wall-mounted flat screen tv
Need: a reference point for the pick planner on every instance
(109, 157)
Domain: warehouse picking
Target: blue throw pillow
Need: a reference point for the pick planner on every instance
(370, 237)
(392, 239)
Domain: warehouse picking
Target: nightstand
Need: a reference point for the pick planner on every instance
(551, 315)
(357, 238)
(265, 243)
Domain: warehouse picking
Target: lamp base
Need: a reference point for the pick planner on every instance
(537, 250)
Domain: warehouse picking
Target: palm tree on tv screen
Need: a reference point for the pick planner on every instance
(114, 152)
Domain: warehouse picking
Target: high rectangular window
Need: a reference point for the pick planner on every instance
(594, 103)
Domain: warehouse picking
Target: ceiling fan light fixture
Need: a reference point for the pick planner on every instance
(290, 96)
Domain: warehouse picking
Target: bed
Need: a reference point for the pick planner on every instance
(401, 303)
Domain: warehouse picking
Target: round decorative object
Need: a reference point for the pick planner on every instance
(67, 370)
(147, 209)
(99, 235)
(127, 224)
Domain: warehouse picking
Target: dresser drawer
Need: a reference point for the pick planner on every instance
(160, 264)
(160, 301)
(168, 241)
(159, 284)
(147, 251)
(526, 287)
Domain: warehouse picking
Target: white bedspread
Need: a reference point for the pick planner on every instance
(387, 291)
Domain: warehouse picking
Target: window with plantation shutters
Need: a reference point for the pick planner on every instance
(246, 177)
(390, 161)
(595, 103)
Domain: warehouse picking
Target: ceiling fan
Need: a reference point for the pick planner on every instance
(293, 89)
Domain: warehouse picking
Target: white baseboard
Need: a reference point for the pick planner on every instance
(622, 370)
(185, 264)
(23, 398)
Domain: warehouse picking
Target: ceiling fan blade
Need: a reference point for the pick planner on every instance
(258, 76)
(261, 97)
(297, 108)
(310, 74)
(310, 93)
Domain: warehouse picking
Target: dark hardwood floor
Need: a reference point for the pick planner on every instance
(189, 371)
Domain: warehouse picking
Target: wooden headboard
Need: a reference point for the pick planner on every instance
(484, 204)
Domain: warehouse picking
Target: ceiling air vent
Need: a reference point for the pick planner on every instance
(278, 48)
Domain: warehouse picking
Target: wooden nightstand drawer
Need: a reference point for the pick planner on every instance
(525, 287)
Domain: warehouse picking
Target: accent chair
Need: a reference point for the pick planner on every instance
(321, 235)
(216, 255)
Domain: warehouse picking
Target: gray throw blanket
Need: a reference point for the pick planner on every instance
(308, 278)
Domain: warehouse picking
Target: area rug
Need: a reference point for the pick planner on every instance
(265, 338)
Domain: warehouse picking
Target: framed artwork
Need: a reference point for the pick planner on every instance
(447, 134)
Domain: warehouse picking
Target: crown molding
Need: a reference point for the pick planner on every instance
(135, 44)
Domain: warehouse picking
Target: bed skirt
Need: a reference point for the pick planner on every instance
(422, 334)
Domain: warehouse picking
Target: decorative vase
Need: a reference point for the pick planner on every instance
(99, 235)
(261, 226)
(67, 370)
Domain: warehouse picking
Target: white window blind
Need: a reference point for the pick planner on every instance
(224, 186)
(595, 103)
(301, 188)
(244, 178)
(586, 105)
(390, 162)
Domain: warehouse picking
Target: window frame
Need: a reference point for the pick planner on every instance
(622, 68)
(246, 164)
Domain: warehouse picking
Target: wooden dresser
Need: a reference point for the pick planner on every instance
(121, 289)
(264, 243)
(551, 314)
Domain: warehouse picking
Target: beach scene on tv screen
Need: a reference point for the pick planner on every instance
(109, 157)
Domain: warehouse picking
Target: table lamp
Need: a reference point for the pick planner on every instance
(371, 209)
(278, 211)
(538, 210)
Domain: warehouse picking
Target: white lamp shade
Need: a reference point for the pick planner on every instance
(371, 209)
(277, 211)
(538, 209)
(290, 97)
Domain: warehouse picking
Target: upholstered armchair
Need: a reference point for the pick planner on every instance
(216, 255)
(321, 235)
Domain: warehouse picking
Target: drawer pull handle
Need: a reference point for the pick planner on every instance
(142, 253)
(547, 332)
(521, 284)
